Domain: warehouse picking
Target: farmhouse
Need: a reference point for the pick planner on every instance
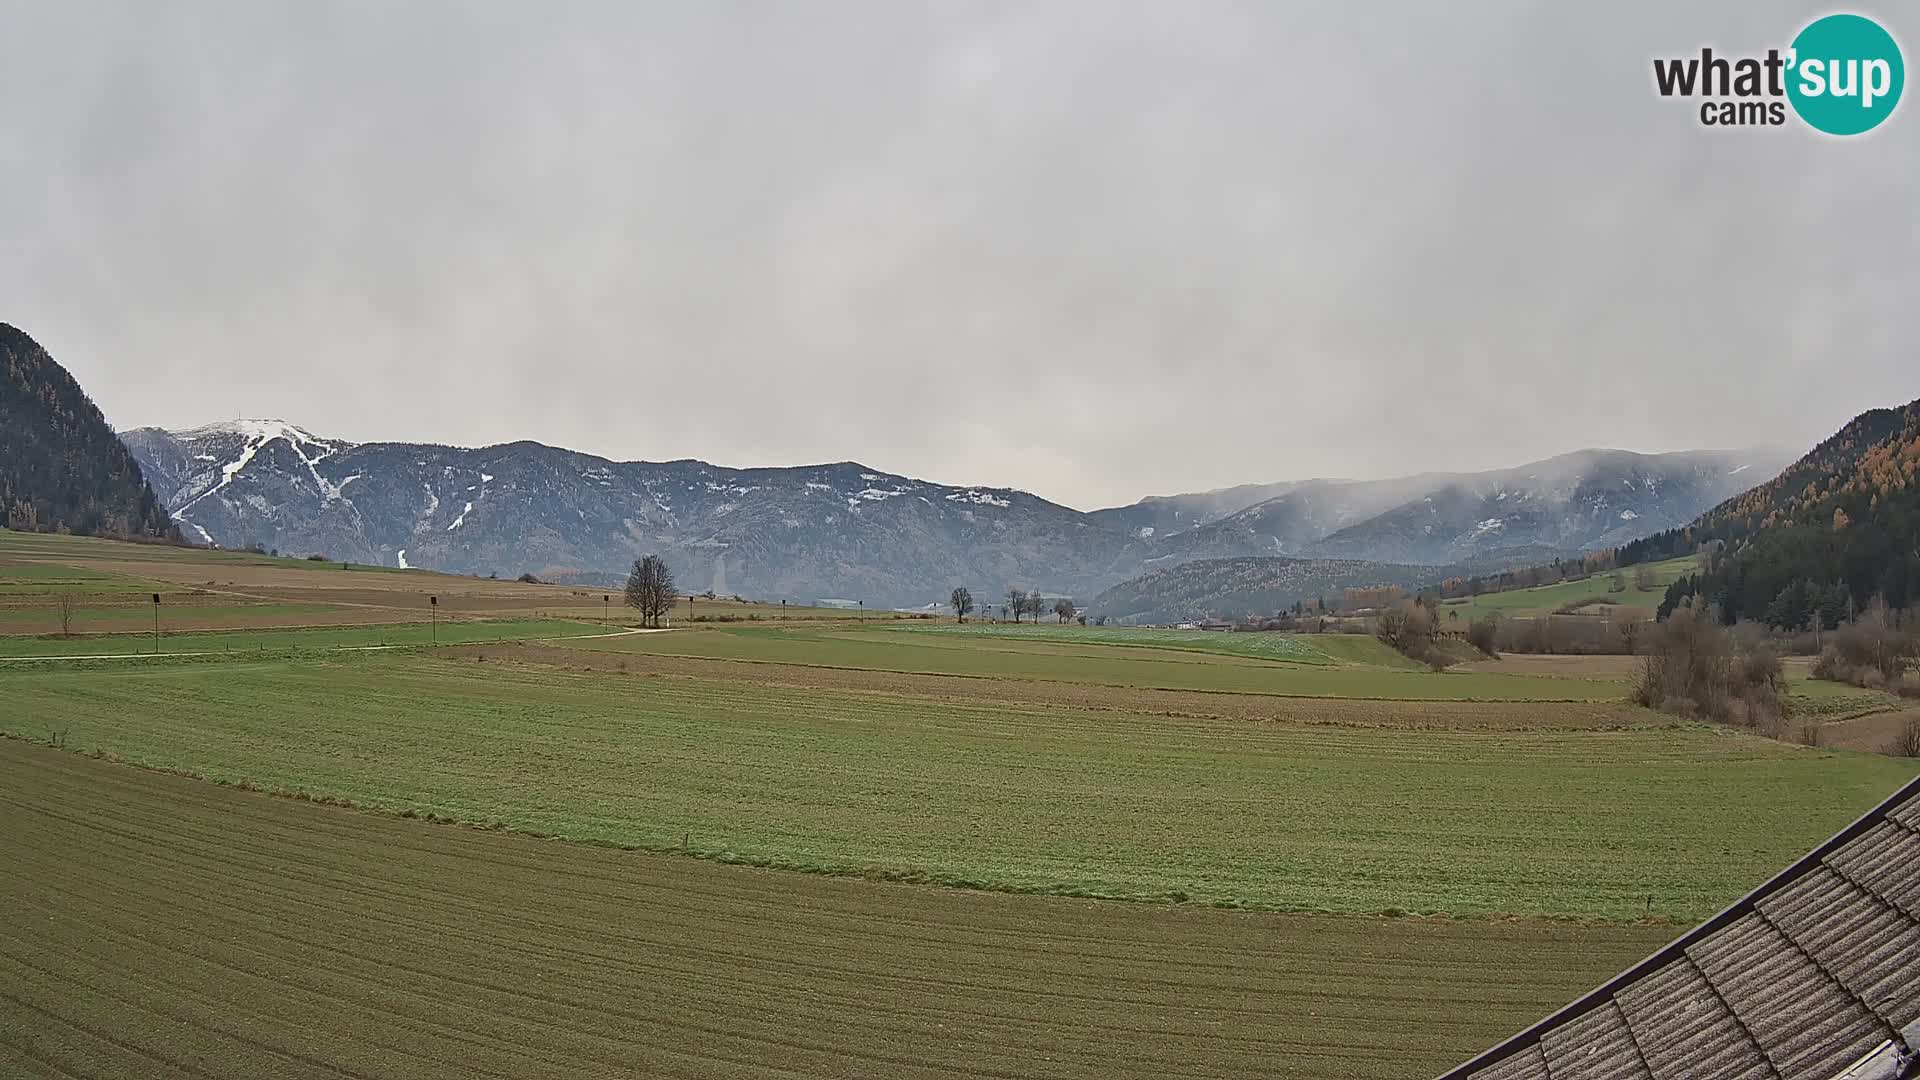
(1815, 974)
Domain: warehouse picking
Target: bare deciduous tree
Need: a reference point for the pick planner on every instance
(1906, 743)
(1063, 609)
(1017, 603)
(962, 601)
(650, 589)
(65, 602)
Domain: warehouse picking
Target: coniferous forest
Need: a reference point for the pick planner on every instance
(62, 468)
(1834, 531)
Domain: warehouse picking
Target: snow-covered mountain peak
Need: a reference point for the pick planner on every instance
(264, 430)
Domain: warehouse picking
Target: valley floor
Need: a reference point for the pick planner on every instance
(1338, 865)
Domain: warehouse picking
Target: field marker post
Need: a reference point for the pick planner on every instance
(606, 609)
(156, 624)
(433, 609)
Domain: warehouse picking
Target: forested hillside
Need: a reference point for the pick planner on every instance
(62, 468)
(1840, 526)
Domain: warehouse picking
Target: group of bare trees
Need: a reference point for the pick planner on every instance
(1020, 603)
(1410, 628)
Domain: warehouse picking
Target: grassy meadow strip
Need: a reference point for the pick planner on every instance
(1264, 646)
(1546, 599)
(284, 639)
(989, 656)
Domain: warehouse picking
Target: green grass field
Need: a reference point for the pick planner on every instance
(281, 640)
(1259, 646)
(1106, 804)
(24, 579)
(1022, 657)
(1547, 599)
(128, 617)
(159, 926)
(1817, 698)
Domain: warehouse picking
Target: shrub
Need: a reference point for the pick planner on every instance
(1695, 668)
(1907, 742)
(1568, 635)
(1760, 666)
(1831, 668)
(316, 557)
(1408, 628)
(529, 579)
(1871, 651)
(1481, 633)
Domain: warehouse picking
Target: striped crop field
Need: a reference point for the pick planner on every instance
(993, 796)
(161, 927)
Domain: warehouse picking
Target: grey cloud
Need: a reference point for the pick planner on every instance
(1091, 249)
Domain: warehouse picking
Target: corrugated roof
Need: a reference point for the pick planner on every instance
(1815, 975)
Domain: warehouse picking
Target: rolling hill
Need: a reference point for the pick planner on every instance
(1261, 585)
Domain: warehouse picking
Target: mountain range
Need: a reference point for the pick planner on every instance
(850, 531)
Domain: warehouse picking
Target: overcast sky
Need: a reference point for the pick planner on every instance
(1095, 250)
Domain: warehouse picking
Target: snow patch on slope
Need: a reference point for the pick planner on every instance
(978, 498)
(227, 473)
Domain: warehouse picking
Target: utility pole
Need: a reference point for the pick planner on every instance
(156, 624)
